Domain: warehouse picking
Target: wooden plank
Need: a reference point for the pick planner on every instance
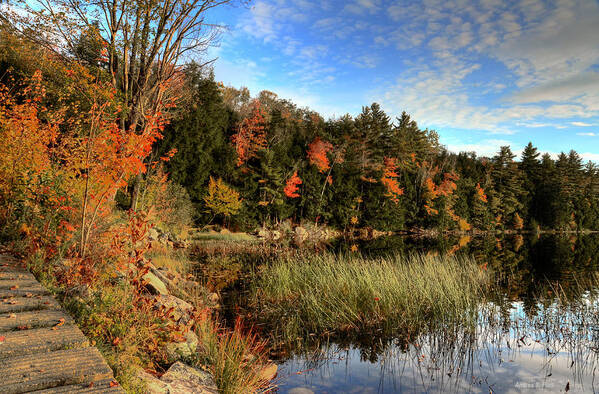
(41, 340)
(15, 284)
(73, 367)
(41, 350)
(101, 386)
(12, 275)
(22, 304)
(32, 319)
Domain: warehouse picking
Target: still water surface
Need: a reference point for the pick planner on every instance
(537, 332)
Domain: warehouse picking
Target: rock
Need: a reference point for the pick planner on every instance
(182, 350)
(181, 310)
(263, 233)
(153, 234)
(183, 379)
(154, 284)
(268, 372)
(276, 235)
(300, 390)
(152, 384)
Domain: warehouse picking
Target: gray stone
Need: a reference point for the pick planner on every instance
(152, 384)
(181, 310)
(154, 284)
(183, 379)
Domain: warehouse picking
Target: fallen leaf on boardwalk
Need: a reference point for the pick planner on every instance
(12, 316)
(28, 295)
(60, 322)
(23, 328)
(113, 383)
(2, 338)
(91, 384)
(15, 287)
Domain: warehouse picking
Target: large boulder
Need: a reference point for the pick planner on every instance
(184, 350)
(183, 379)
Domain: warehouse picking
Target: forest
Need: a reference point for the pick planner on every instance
(288, 163)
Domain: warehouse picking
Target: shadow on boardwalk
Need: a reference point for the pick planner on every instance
(41, 349)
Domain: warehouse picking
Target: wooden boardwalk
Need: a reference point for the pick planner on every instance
(41, 349)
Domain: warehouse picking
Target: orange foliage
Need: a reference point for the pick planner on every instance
(251, 137)
(292, 187)
(389, 179)
(480, 193)
(317, 154)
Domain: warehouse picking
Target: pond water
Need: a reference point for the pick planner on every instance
(538, 331)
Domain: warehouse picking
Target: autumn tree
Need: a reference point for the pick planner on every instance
(222, 199)
(144, 44)
(250, 137)
(292, 186)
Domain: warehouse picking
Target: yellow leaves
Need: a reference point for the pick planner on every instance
(222, 199)
(354, 220)
(463, 225)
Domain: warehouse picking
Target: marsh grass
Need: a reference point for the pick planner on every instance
(298, 296)
(234, 356)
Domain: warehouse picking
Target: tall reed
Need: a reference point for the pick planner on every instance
(302, 295)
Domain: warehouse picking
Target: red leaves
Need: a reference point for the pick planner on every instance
(317, 154)
(292, 187)
(2, 338)
(251, 137)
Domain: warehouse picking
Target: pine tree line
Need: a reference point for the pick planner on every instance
(367, 171)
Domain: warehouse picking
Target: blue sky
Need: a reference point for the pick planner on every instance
(482, 73)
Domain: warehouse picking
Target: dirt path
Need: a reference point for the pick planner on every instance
(41, 349)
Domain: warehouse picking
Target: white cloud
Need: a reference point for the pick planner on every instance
(486, 148)
(581, 124)
(590, 156)
(588, 134)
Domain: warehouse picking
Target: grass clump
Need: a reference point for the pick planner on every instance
(233, 356)
(337, 293)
